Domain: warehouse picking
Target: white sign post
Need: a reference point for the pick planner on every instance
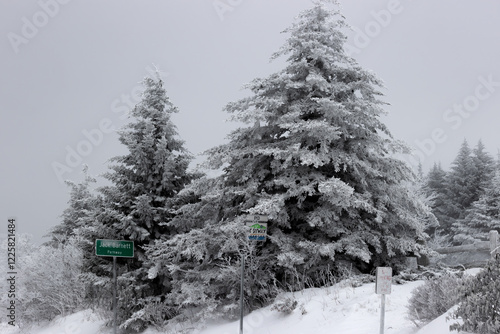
(383, 285)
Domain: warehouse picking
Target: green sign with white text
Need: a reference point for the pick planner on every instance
(118, 248)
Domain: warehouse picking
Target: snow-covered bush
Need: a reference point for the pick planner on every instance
(286, 305)
(432, 299)
(48, 281)
(479, 308)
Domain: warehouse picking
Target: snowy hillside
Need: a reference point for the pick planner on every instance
(337, 309)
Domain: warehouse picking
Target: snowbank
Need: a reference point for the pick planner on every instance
(439, 326)
(83, 322)
(337, 309)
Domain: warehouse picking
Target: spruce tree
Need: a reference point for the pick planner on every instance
(482, 217)
(78, 214)
(435, 187)
(496, 165)
(484, 166)
(140, 200)
(455, 192)
(315, 159)
(460, 182)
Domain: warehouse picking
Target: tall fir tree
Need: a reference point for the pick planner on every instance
(497, 162)
(454, 192)
(435, 187)
(484, 166)
(482, 217)
(78, 214)
(140, 200)
(460, 182)
(317, 161)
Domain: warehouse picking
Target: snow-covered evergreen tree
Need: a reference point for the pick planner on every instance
(479, 298)
(460, 182)
(496, 165)
(317, 161)
(139, 203)
(482, 217)
(435, 186)
(455, 191)
(145, 180)
(81, 204)
(484, 166)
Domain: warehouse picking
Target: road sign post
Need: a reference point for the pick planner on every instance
(114, 248)
(257, 231)
(115, 312)
(383, 284)
(242, 284)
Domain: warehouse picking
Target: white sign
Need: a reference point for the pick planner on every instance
(383, 282)
(257, 229)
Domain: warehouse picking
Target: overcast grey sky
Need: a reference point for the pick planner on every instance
(70, 69)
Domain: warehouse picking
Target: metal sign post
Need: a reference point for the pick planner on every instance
(383, 285)
(382, 314)
(114, 248)
(242, 284)
(257, 231)
(115, 313)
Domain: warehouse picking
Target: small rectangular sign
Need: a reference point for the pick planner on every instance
(383, 282)
(256, 218)
(257, 228)
(118, 248)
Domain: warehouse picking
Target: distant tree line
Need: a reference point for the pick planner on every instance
(466, 199)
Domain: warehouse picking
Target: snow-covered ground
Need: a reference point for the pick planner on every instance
(83, 322)
(337, 309)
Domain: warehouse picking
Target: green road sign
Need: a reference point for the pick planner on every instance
(119, 248)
